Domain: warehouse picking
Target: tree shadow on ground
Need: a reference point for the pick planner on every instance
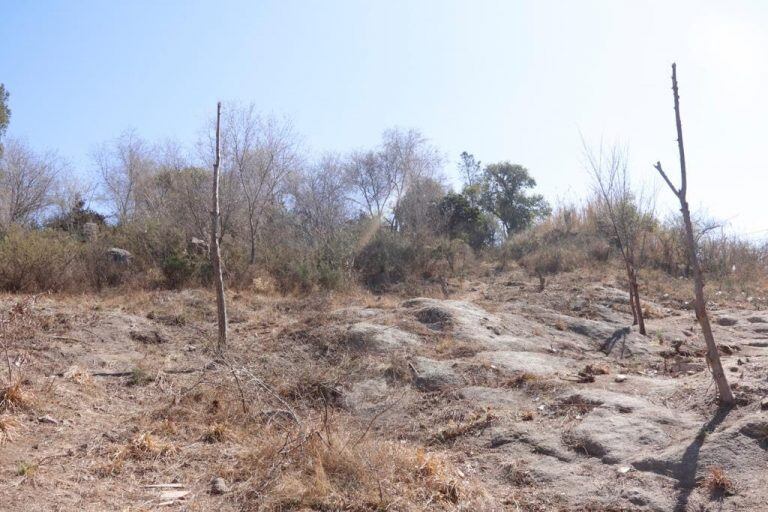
(685, 470)
(618, 335)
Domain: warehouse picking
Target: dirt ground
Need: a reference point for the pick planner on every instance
(494, 397)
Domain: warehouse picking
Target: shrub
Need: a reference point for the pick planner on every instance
(96, 271)
(567, 240)
(46, 260)
(51, 260)
(178, 270)
(386, 260)
(303, 273)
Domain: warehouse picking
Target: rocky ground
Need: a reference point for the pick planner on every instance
(494, 397)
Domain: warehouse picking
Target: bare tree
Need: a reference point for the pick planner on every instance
(175, 193)
(27, 183)
(371, 182)
(628, 215)
(221, 306)
(381, 177)
(320, 198)
(416, 211)
(407, 157)
(122, 164)
(713, 356)
(260, 154)
(72, 191)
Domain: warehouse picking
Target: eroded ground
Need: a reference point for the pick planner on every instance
(497, 397)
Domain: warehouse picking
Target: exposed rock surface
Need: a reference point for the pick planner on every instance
(431, 375)
(368, 336)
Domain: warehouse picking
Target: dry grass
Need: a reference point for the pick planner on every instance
(217, 432)
(144, 446)
(284, 420)
(15, 396)
(477, 421)
(312, 386)
(398, 371)
(333, 466)
(8, 428)
(523, 379)
(533, 384)
(26, 469)
(450, 347)
(78, 375)
(717, 482)
(140, 377)
(518, 474)
(321, 459)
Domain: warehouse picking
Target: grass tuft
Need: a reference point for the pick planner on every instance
(718, 482)
(8, 428)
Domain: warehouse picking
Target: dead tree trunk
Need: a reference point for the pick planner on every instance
(634, 294)
(638, 304)
(221, 305)
(713, 356)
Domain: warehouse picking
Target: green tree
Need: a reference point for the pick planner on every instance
(472, 175)
(470, 169)
(459, 219)
(5, 114)
(504, 194)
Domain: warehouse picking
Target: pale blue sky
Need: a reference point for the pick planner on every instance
(512, 80)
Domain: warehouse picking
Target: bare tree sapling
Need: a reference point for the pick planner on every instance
(713, 356)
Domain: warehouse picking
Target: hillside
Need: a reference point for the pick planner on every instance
(494, 397)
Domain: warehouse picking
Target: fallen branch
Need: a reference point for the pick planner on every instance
(123, 373)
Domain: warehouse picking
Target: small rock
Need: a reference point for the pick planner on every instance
(172, 496)
(148, 337)
(118, 255)
(48, 419)
(624, 470)
(764, 404)
(219, 486)
(620, 377)
(197, 246)
(497, 441)
(726, 321)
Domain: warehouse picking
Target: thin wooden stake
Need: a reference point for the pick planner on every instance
(221, 305)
